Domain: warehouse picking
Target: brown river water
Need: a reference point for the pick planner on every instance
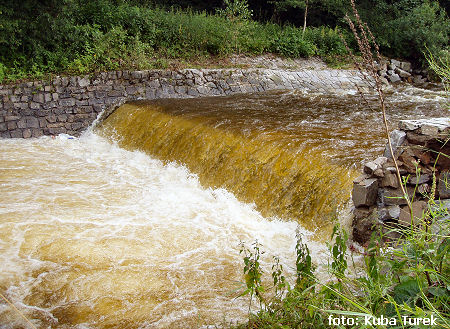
(137, 223)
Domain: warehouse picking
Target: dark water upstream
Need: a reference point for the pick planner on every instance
(137, 223)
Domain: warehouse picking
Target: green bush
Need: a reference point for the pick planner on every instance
(327, 41)
(38, 38)
(406, 28)
(290, 43)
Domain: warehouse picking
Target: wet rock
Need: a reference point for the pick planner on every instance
(390, 179)
(397, 139)
(370, 167)
(365, 193)
(431, 125)
(418, 207)
(389, 213)
(362, 212)
(378, 173)
(414, 180)
(409, 124)
(391, 197)
(364, 227)
(394, 78)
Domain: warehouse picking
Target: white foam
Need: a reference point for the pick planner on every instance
(87, 211)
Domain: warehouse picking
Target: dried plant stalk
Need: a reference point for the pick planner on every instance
(366, 67)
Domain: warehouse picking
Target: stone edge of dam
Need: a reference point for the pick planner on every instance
(71, 104)
(421, 149)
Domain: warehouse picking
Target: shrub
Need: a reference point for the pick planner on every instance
(327, 41)
(290, 43)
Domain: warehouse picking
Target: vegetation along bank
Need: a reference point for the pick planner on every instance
(38, 38)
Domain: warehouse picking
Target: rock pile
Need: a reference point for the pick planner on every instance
(395, 71)
(422, 151)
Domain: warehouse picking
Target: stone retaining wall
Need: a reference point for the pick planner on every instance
(70, 104)
(422, 150)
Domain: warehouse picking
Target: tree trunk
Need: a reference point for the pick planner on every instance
(304, 20)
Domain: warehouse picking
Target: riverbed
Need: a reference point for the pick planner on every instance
(127, 227)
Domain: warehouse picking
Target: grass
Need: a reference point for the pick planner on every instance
(136, 37)
(408, 279)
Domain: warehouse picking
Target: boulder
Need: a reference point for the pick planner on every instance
(419, 208)
(419, 79)
(409, 161)
(362, 212)
(415, 138)
(391, 197)
(439, 124)
(397, 138)
(424, 189)
(414, 180)
(363, 228)
(378, 173)
(405, 66)
(403, 74)
(380, 161)
(395, 63)
(394, 78)
(390, 180)
(370, 167)
(360, 178)
(388, 213)
(365, 193)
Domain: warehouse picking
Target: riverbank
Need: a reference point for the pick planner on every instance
(70, 104)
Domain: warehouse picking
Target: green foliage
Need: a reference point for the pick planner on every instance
(327, 41)
(72, 36)
(303, 265)
(406, 28)
(236, 9)
(290, 43)
(2, 71)
(252, 272)
(82, 37)
(440, 64)
(338, 252)
(410, 279)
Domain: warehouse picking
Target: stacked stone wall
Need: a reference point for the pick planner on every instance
(422, 150)
(70, 104)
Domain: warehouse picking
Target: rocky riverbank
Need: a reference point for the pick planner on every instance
(421, 149)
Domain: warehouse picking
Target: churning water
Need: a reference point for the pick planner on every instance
(137, 224)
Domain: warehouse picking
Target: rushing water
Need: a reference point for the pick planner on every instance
(93, 235)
